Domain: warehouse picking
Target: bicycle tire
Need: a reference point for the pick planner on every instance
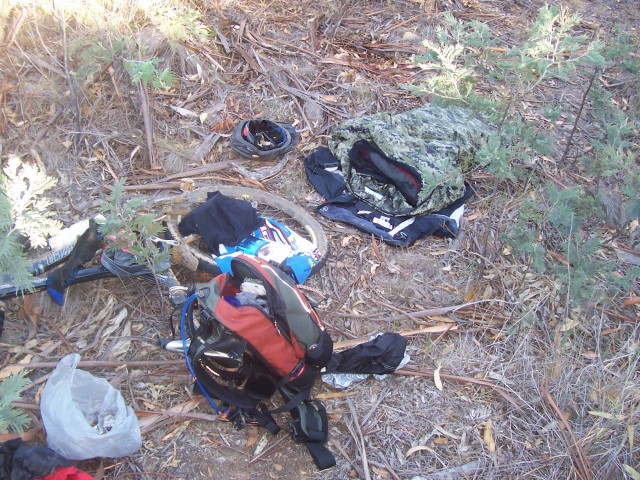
(266, 204)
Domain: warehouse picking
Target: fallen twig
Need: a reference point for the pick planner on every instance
(206, 146)
(423, 313)
(578, 115)
(578, 457)
(405, 333)
(109, 364)
(153, 420)
(14, 24)
(428, 372)
(73, 96)
(149, 420)
(262, 174)
(360, 439)
(266, 451)
(166, 183)
(617, 315)
(148, 123)
(214, 167)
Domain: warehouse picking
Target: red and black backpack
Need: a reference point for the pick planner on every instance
(252, 332)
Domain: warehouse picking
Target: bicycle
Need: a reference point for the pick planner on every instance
(189, 248)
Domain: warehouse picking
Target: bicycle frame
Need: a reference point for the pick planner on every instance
(8, 290)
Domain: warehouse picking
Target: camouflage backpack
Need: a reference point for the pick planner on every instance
(410, 163)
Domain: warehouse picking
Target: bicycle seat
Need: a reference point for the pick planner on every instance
(263, 139)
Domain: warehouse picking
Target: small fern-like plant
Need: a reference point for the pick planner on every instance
(12, 419)
(147, 72)
(128, 228)
(26, 216)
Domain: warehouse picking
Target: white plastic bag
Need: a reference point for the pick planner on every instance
(85, 417)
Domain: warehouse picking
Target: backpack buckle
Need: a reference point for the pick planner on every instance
(233, 416)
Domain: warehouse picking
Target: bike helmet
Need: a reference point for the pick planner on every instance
(263, 139)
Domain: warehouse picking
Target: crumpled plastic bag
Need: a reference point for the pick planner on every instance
(85, 417)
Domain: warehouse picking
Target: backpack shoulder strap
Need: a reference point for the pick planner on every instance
(310, 425)
(321, 455)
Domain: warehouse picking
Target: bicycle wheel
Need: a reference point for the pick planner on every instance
(195, 255)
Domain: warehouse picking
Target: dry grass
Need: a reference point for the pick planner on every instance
(314, 64)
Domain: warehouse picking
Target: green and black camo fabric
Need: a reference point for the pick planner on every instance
(440, 143)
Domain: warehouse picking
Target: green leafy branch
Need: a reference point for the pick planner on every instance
(147, 72)
(466, 64)
(127, 228)
(26, 216)
(11, 418)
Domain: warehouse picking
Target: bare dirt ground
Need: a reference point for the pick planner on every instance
(514, 400)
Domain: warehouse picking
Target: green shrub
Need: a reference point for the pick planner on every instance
(12, 419)
(465, 65)
(127, 227)
(26, 217)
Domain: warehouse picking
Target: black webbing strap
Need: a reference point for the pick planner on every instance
(311, 427)
(264, 418)
(321, 455)
(291, 402)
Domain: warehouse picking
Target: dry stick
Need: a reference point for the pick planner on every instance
(427, 312)
(206, 146)
(577, 119)
(578, 456)
(373, 408)
(381, 397)
(312, 25)
(363, 451)
(266, 451)
(401, 24)
(347, 457)
(386, 467)
(194, 97)
(108, 364)
(617, 315)
(60, 334)
(166, 415)
(404, 333)
(427, 372)
(12, 33)
(72, 90)
(403, 313)
(186, 415)
(214, 167)
(494, 190)
(43, 131)
(284, 87)
(151, 474)
(148, 122)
